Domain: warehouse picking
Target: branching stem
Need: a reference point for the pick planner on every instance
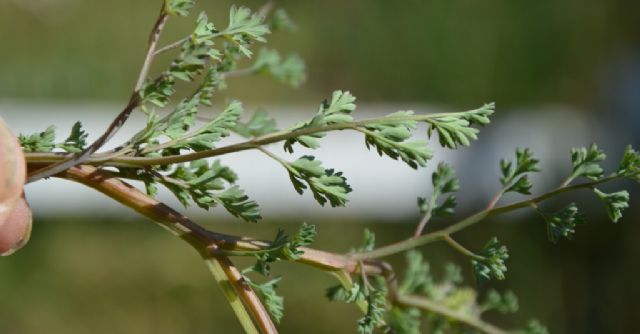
(126, 161)
(117, 123)
(472, 220)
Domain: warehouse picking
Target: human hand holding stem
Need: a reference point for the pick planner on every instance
(15, 214)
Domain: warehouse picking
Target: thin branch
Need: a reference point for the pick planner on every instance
(153, 42)
(171, 46)
(239, 73)
(118, 122)
(457, 246)
(426, 217)
(69, 161)
(495, 199)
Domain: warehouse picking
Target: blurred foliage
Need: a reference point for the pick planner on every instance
(452, 52)
(102, 275)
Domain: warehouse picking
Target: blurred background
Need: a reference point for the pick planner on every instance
(563, 74)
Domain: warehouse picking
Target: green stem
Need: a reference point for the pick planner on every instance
(104, 159)
(457, 246)
(472, 220)
(236, 304)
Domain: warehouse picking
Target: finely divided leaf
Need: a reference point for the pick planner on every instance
(503, 303)
(178, 7)
(563, 223)
(325, 184)
(616, 202)
(391, 139)
(586, 162)
(630, 164)
(76, 141)
(492, 265)
(245, 28)
(289, 71)
(260, 124)
(514, 177)
(39, 142)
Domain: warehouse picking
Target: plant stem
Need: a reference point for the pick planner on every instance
(104, 160)
(457, 246)
(117, 123)
(211, 244)
(153, 42)
(229, 292)
(426, 217)
(205, 242)
(471, 220)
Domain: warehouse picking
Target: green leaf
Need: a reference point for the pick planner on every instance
(503, 303)
(391, 139)
(586, 162)
(325, 184)
(260, 124)
(338, 293)
(182, 119)
(77, 139)
(178, 7)
(283, 248)
(480, 116)
(492, 263)
(202, 183)
(238, 204)
(195, 52)
(157, 92)
(212, 82)
(290, 71)
(245, 28)
(563, 223)
(444, 181)
(271, 300)
(514, 177)
(453, 131)
(630, 164)
(446, 208)
(39, 142)
(456, 129)
(280, 20)
(369, 241)
(616, 202)
(453, 274)
(211, 132)
(342, 103)
(417, 278)
(376, 308)
(533, 327)
(404, 321)
(336, 111)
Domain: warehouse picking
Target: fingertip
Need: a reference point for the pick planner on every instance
(16, 230)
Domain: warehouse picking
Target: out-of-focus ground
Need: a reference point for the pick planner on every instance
(563, 74)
